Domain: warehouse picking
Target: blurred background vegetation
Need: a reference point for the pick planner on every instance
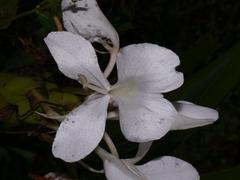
(206, 36)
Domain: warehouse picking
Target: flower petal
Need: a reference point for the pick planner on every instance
(151, 65)
(169, 168)
(82, 130)
(144, 117)
(75, 56)
(191, 115)
(86, 18)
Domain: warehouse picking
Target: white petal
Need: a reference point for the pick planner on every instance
(75, 56)
(82, 130)
(191, 115)
(151, 65)
(169, 168)
(144, 117)
(86, 18)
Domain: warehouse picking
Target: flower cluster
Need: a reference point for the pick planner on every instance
(145, 71)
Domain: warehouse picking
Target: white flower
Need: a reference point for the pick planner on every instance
(163, 168)
(144, 72)
(84, 17)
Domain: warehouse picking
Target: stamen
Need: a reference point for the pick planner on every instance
(59, 118)
(83, 80)
(97, 89)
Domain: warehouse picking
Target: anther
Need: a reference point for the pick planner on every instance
(83, 80)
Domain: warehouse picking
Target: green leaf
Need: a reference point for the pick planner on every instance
(47, 23)
(51, 86)
(199, 54)
(46, 20)
(4, 78)
(229, 174)
(211, 84)
(63, 98)
(3, 103)
(227, 78)
(23, 106)
(17, 86)
(7, 12)
(14, 91)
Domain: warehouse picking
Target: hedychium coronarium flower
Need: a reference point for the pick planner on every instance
(163, 168)
(145, 71)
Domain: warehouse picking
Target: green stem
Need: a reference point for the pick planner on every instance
(39, 7)
(24, 14)
(112, 61)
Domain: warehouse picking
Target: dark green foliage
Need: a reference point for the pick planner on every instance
(7, 12)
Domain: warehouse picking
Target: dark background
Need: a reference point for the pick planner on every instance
(206, 36)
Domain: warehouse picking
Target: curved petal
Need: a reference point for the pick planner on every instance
(144, 117)
(191, 115)
(75, 56)
(82, 130)
(169, 168)
(152, 66)
(86, 18)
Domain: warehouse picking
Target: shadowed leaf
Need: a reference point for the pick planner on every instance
(7, 12)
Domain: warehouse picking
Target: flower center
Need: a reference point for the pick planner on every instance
(125, 91)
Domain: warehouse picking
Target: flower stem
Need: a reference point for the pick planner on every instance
(88, 167)
(102, 153)
(41, 6)
(25, 14)
(58, 23)
(112, 61)
(110, 144)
